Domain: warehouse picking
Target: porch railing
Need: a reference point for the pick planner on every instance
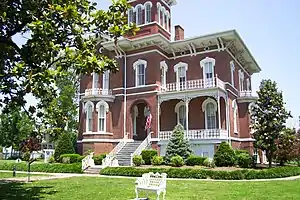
(193, 84)
(198, 134)
(98, 91)
(245, 93)
(87, 162)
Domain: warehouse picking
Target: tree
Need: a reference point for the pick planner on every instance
(285, 145)
(269, 116)
(64, 146)
(178, 145)
(225, 155)
(58, 34)
(296, 149)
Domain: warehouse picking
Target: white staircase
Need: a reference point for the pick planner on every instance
(124, 155)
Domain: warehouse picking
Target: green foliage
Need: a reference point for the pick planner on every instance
(278, 172)
(148, 155)
(177, 161)
(51, 159)
(157, 160)
(64, 146)
(73, 158)
(268, 117)
(244, 160)
(194, 160)
(26, 156)
(225, 156)
(209, 163)
(62, 34)
(138, 160)
(98, 159)
(178, 145)
(285, 145)
(42, 167)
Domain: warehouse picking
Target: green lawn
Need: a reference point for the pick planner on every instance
(91, 188)
(10, 175)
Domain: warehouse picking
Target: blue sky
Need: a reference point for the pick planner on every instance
(270, 29)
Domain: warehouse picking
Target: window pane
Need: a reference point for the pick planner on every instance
(101, 124)
(182, 115)
(211, 116)
(148, 13)
(139, 16)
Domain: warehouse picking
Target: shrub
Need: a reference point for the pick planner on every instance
(209, 163)
(98, 159)
(51, 159)
(178, 145)
(279, 172)
(244, 160)
(194, 160)
(240, 151)
(26, 156)
(147, 155)
(157, 160)
(177, 161)
(138, 160)
(43, 167)
(65, 160)
(225, 156)
(73, 158)
(64, 146)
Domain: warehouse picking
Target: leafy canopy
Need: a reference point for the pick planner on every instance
(58, 34)
(268, 116)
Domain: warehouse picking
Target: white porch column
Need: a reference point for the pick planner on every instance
(187, 101)
(158, 117)
(219, 111)
(227, 119)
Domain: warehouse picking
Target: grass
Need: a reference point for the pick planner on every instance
(18, 175)
(91, 188)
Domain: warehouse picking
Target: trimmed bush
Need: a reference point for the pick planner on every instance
(73, 158)
(138, 160)
(51, 159)
(64, 146)
(194, 160)
(98, 159)
(208, 163)
(177, 161)
(244, 160)
(157, 160)
(147, 155)
(43, 167)
(279, 172)
(225, 156)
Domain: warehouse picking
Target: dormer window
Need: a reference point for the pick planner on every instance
(139, 15)
(208, 65)
(140, 70)
(180, 70)
(148, 13)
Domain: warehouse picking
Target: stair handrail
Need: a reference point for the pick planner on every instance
(108, 160)
(141, 147)
(88, 161)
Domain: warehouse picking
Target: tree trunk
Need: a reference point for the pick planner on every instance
(270, 158)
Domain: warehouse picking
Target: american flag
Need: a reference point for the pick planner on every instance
(148, 121)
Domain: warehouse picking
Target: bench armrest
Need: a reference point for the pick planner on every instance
(140, 181)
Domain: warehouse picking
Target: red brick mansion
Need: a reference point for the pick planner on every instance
(203, 83)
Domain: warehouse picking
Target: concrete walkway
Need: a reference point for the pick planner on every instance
(51, 176)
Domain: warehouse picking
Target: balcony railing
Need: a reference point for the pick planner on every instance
(245, 93)
(193, 85)
(98, 92)
(198, 134)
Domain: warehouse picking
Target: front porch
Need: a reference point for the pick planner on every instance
(201, 134)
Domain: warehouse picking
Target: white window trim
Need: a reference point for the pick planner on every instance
(135, 65)
(248, 84)
(137, 13)
(176, 67)
(232, 69)
(164, 69)
(145, 6)
(158, 5)
(163, 10)
(235, 118)
(129, 17)
(106, 109)
(178, 105)
(88, 103)
(204, 104)
(208, 60)
(241, 80)
(168, 20)
(105, 90)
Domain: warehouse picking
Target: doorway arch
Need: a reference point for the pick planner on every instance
(139, 113)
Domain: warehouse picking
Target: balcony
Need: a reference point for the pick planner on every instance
(246, 96)
(202, 134)
(98, 94)
(198, 84)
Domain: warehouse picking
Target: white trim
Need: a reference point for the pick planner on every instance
(97, 133)
(248, 84)
(106, 73)
(232, 69)
(204, 106)
(103, 140)
(241, 80)
(106, 109)
(139, 93)
(237, 62)
(181, 64)
(242, 139)
(178, 105)
(202, 64)
(135, 65)
(235, 118)
(88, 103)
(132, 88)
(145, 5)
(164, 69)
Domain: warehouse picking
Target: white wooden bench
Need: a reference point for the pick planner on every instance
(152, 182)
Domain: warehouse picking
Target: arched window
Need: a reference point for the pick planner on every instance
(139, 15)
(232, 68)
(235, 114)
(241, 80)
(209, 106)
(180, 109)
(102, 109)
(163, 16)
(89, 108)
(105, 82)
(158, 12)
(181, 79)
(95, 83)
(164, 69)
(140, 70)
(208, 65)
(148, 13)
(130, 16)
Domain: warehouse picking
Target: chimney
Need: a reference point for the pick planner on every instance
(179, 33)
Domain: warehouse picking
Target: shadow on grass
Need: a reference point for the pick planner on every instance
(23, 191)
